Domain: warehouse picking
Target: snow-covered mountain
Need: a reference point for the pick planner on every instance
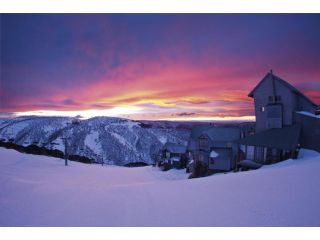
(112, 140)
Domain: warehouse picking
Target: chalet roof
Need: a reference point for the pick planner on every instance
(175, 147)
(197, 130)
(282, 138)
(223, 134)
(286, 84)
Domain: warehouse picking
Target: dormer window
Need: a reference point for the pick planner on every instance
(274, 99)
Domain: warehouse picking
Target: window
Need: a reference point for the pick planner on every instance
(243, 148)
(201, 158)
(250, 153)
(274, 152)
(274, 111)
(276, 99)
(203, 143)
(263, 109)
(212, 160)
(274, 116)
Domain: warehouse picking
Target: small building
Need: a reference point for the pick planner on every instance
(214, 147)
(173, 155)
(193, 143)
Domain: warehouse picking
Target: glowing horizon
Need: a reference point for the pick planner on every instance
(89, 113)
(122, 112)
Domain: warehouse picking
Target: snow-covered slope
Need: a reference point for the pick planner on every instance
(112, 140)
(41, 191)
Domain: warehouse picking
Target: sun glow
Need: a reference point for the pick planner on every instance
(112, 112)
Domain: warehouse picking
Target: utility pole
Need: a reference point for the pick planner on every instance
(100, 157)
(65, 141)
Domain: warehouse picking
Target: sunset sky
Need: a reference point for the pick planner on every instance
(152, 66)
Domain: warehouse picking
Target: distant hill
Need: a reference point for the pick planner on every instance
(112, 140)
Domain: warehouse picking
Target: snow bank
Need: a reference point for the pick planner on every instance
(309, 114)
(41, 191)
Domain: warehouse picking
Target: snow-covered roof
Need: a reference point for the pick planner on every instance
(175, 159)
(175, 147)
(213, 154)
(197, 130)
(223, 134)
(309, 114)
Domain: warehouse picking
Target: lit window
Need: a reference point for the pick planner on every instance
(263, 109)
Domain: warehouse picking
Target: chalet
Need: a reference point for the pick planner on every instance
(213, 147)
(193, 143)
(285, 121)
(276, 101)
(172, 155)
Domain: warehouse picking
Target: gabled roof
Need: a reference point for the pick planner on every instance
(175, 147)
(197, 130)
(223, 134)
(283, 82)
(281, 138)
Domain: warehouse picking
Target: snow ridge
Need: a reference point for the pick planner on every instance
(112, 140)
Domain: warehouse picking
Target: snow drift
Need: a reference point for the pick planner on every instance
(41, 191)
